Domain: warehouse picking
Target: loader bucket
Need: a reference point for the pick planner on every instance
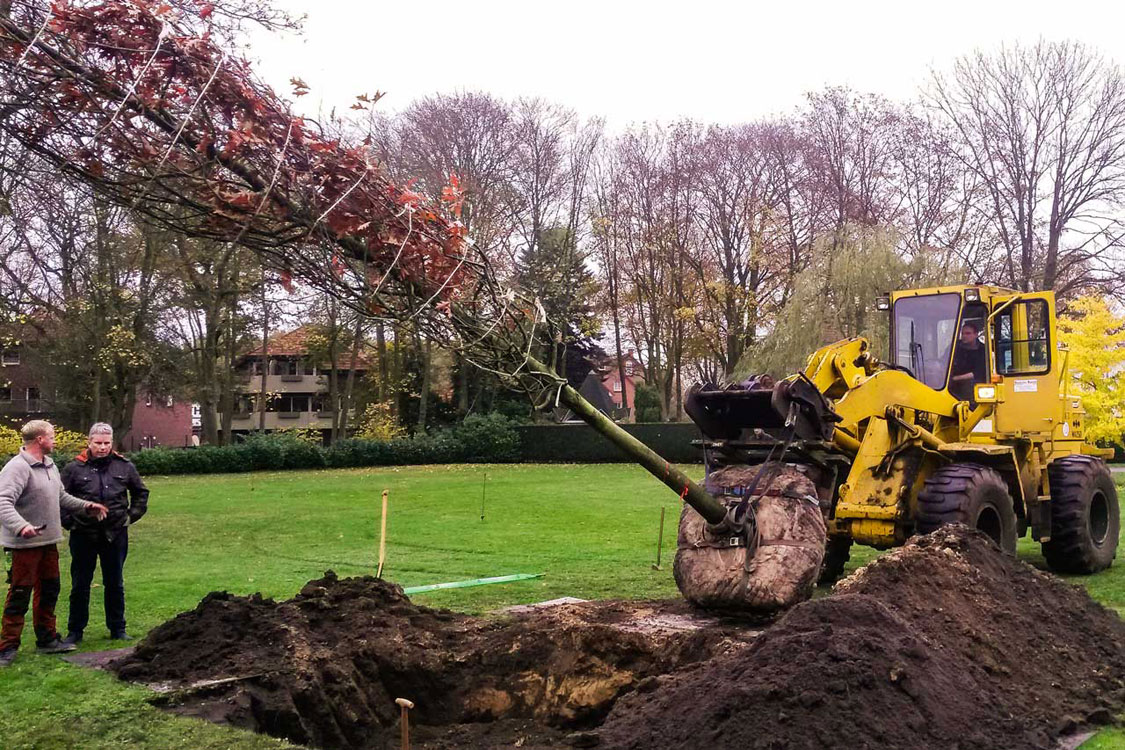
(736, 413)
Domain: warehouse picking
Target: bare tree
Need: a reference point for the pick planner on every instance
(1043, 128)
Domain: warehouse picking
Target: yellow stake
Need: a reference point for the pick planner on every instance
(382, 538)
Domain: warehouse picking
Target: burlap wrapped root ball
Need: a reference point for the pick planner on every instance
(786, 562)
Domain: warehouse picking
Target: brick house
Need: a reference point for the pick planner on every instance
(610, 375)
(26, 393)
(297, 386)
(165, 421)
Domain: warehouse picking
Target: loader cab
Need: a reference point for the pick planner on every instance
(939, 337)
(955, 339)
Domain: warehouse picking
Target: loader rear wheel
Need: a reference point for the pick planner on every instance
(837, 552)
(1085, 517)
(971, 494)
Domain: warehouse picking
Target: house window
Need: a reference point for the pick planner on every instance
(10, 357)
(289, 367)
(617, 386)
(170, 402)
(293, 403)
(5, 395)
(33, 399)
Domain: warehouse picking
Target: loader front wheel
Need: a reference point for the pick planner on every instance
(971, 494)
(1085, 517)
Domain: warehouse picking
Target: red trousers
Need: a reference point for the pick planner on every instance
(33, 578)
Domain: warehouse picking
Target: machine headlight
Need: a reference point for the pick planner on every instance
(883, 303)
(972, 295)
(986, 393)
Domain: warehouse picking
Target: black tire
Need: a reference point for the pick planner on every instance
(1085, 516)
(971, 494)
(837, 552)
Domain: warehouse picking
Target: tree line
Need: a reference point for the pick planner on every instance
(711, 250)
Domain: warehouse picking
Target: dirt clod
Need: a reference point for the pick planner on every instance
(943, 643)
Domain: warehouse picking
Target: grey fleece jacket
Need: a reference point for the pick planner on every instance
(31, 492)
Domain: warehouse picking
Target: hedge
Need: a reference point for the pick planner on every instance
(579, 443)
(479, 439)
(491, 438)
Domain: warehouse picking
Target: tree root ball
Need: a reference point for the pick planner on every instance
(776, 573)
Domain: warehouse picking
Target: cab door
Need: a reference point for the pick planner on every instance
(1023, 345)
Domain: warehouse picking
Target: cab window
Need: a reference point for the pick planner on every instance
(1021, 334)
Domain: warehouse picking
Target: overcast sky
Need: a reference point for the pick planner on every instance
(635, 61)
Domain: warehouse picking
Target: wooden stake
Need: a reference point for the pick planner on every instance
(659, 540)
(382, 538)
(406, 706)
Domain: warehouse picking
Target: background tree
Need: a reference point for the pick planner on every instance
(1042, 127)
(1095, 336)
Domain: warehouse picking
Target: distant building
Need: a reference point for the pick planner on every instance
(159, 421)
(297, 387)
(26, 393)
(610, 375)
(20, 396)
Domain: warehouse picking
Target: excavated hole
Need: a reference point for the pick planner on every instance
(943, 643)
(325, 668)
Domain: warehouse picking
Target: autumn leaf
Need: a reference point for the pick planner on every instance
(300, 88)
(206, 10)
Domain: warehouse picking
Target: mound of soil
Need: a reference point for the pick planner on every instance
(942, 643)
(325, 667)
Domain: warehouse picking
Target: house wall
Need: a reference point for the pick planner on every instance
(16, 379)
(155, 423)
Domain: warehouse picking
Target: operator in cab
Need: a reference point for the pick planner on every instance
(970, 364)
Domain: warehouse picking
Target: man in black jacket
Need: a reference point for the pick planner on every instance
(101, 475)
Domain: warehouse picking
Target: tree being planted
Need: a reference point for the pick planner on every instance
(138, 100)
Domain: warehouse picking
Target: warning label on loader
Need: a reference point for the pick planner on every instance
(1026, 386)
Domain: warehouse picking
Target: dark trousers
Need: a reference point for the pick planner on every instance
(33, 578)
(85, 552)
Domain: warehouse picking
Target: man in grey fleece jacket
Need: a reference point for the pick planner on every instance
(31, 494)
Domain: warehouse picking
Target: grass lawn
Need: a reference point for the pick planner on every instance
(592, 529)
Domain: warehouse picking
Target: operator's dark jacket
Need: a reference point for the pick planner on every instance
(112, 481)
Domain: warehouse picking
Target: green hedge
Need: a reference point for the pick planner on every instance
(579, 443)
(491, 438)
(479, 439)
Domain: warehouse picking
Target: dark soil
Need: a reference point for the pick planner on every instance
(325, 667)
(945, 643)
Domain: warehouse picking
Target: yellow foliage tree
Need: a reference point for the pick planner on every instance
(67, 442)
(1095, 335)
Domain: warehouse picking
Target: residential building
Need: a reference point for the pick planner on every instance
(610, 375)
(159, 421)
(20, 396)
(26, 393)
(297, 385)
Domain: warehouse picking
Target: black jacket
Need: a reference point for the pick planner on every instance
(112, 481)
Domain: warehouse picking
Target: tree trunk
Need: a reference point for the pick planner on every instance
(226, 381)
(334, 381)
(349, 387)
(381, 344)
(424, 400)
(263, 391)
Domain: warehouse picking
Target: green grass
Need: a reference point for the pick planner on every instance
(592, 529)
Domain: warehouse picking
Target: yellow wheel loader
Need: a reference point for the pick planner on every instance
(971, 419)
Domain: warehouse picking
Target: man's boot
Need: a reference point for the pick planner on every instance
(120, 635)
(7, 656)
(56, 646)
(74, 637)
